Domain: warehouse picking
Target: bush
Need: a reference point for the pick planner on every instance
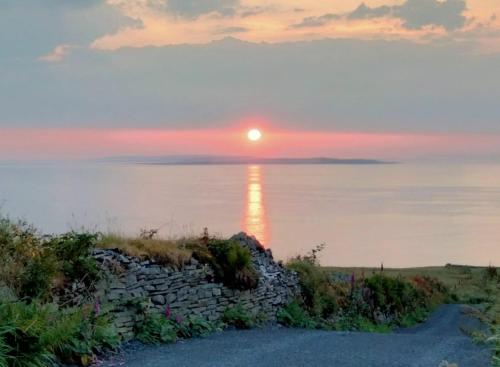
(238, 317)
(156, 329)
(195, 327)
(37, 279)
(31, 264)
(33, 335)
(232, 263)
(342, 302)
(74, 251)
(320, 296)
(495, 342)
(293, 315)
(394, 296)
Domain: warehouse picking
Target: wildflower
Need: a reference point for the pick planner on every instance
(97, 307)
(168, 312)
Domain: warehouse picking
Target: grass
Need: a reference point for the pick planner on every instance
(172, 252)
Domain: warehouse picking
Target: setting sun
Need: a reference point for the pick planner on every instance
(254, 135)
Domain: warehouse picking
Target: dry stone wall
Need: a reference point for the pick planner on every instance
(191, 290)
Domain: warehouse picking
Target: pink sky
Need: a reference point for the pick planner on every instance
(90, 143)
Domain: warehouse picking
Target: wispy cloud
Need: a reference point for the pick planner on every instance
(319, 21)
(195, 8)
(414, 14)
(57, 54)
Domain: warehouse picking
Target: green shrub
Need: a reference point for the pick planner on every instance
(394, 296)
(156, 329)
(495, 342)
(195, 327)
(238, 317)
(232, 263)
(74, 251)
(293, 315)
(320, 296)
(32, 264)
(38, 276)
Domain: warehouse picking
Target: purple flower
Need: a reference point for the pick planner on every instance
(97, 307)
(168, 312)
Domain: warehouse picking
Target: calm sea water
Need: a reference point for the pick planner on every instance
(401, 215)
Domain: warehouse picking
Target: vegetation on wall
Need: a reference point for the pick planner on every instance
(232, 263)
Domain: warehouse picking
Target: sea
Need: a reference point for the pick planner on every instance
(399, 215)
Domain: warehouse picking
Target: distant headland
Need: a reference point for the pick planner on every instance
(234, 160)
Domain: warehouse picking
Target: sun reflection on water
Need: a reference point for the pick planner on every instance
(255, 213)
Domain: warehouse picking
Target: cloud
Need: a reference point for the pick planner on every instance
(194, 8)
(230, 30)
(57, 54)
(31, 28)
(415, 14)
(319, 21)
(365, 12)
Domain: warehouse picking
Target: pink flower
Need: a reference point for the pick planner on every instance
(97, 307)
(168, 312)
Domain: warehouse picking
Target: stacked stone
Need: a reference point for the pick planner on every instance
(192, 289)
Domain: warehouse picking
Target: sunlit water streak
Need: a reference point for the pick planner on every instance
(255, 220)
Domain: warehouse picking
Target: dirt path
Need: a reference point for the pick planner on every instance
(427, 345)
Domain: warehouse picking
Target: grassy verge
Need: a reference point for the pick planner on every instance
(342, 300)
(476, 286)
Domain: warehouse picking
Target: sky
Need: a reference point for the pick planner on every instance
(384, 79)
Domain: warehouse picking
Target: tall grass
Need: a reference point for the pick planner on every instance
(35, 335)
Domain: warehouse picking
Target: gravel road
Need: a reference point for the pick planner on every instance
(426, 345)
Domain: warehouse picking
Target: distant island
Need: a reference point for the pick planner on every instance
(233, 160)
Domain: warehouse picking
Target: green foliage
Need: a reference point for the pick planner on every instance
(33, 335)
(37, 278)
(293, 315)
(31, 265)
(74, 251)
(495, 342)
(156, 329)
(195, 327)
(319, 295)
(344, 302)
(238, 317)
(231, 262)
(394, 296)
(491, 273)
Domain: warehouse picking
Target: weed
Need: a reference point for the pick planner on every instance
(238, 317)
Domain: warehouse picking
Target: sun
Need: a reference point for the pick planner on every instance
(254, 135)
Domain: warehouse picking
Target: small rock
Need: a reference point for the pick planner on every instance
(158, 300)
